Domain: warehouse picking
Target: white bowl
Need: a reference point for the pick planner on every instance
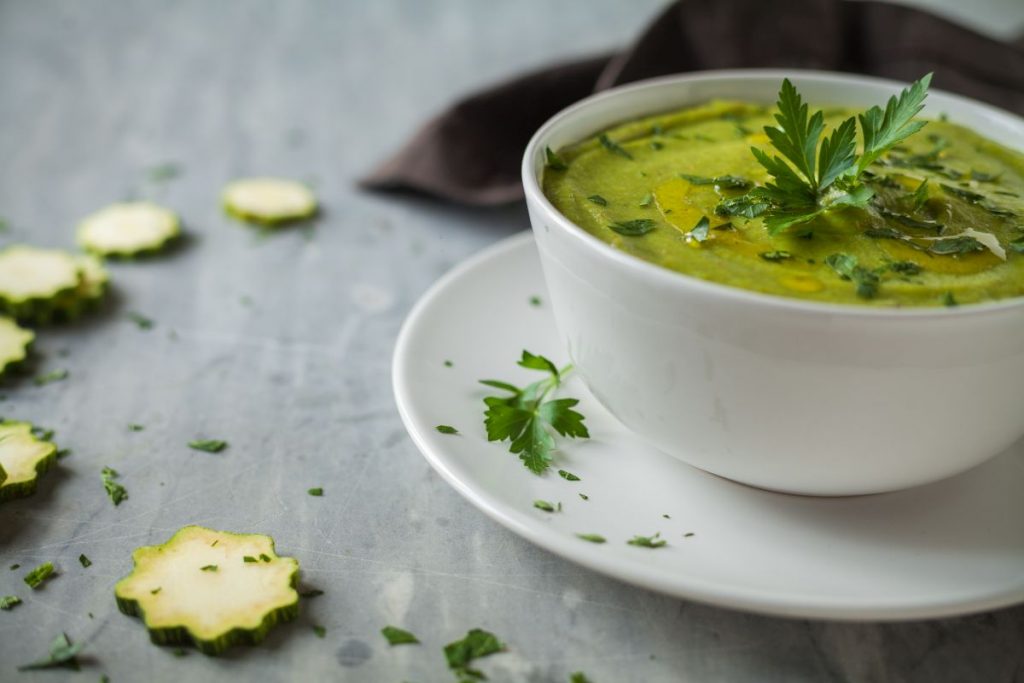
(779, 393)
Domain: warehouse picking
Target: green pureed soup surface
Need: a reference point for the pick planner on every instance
(956, 239)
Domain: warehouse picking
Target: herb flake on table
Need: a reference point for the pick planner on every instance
(592, 538)
(320, 631)
(62, 654)
(654, 541)
(310, 593)
(398, 636)
(447, 429)
(84, 561)
(115, 491)
(578, 677)
(546, 506)
(51, 377)
(35, 578)
(315, 491)
(9, 602)
(135, 427)
(568, 476)
(526, 418)
(141, 321)
(461, 653)
(208, 445)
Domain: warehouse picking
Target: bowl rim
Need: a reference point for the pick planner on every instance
(670, 280)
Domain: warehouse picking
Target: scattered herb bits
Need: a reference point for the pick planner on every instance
(320, 631)
(208, 445)
(35, 578)
(315, 491)
(209, 596)
(115, 491)
(592, 538)
(633, 228)
(398, 636)
(62, 655)
(141, 321)
(9, 602)
(58, 375)
(568, 476)
(461, 653)
(546, 506)
(447, 429)
(269, 201)
(128, 229)
(654, 541)
(84, 561)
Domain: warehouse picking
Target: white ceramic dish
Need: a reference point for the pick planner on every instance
(948, 548)
(779, 393)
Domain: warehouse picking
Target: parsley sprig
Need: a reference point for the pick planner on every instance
(525, 417)
(816, 174)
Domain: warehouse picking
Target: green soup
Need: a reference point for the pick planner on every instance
(957, 239)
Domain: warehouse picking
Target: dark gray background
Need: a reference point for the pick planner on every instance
(282, 346)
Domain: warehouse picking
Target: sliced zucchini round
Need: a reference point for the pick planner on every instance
(14, 344)
(23, 457)
(128, 229)
(268, 200)
(33, 281)
(212, 589)
(95, 279)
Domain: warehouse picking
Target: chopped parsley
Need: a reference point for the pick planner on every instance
(461, 653)
(320, 631)
(633, 228)
(164, 172)
(598, 199)
(208, 445)
(949, 300)
(699, 232)
(654, 541)
(249, 559)
(847, 267)
(208, 568)
(156, 590)
(264, 557)
(448, 364)
(84, 561)
(584, 496)
(116, 492)
(613, 147)
(447, 429)
(62, 654)
(593, 538)
(962, 244)
(525, 417)
(535, 301)
(546, 506)
(51, 377)
(310, 593)
(135, 428)
(35, 578)
(578, 677)
(553, 161)
(141, 321)
(398, 636)
(647, 200)
(729, 182)
(315, 491)
(776, 256)
(568, 476)
(9, 602)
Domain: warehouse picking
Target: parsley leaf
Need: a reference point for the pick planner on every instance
(526, 419)
(729, 182)
(320, 631)
(553, 161)
(699, 232)
(208, 445)
(208, 568)
(598, 199)
(316, 491)
(447, 429)
(815, 175)
(613, 147)
(141, 321)
(461, 653)
(116, 492)
(654, 541)
(847, 267)
(545, 506)
(35, 578)
(593, 538)
(85, 561)
(9, 602)
(568, 476)
(398, 636)
(62, 654)
(51, 377)
(633, 228)
(962, 244)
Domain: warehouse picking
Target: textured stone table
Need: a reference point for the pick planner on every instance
(282, 344)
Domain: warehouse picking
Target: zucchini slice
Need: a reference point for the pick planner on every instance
(269, 201)
(128, 229)
(212, 589)
(23, 457)
(14, 344)
(33, 281)
(92, 286)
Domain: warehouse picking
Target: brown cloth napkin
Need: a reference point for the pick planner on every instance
(471, 153)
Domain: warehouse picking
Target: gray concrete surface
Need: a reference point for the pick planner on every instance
(281, 345)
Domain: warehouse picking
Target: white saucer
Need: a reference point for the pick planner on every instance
(944, 549)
